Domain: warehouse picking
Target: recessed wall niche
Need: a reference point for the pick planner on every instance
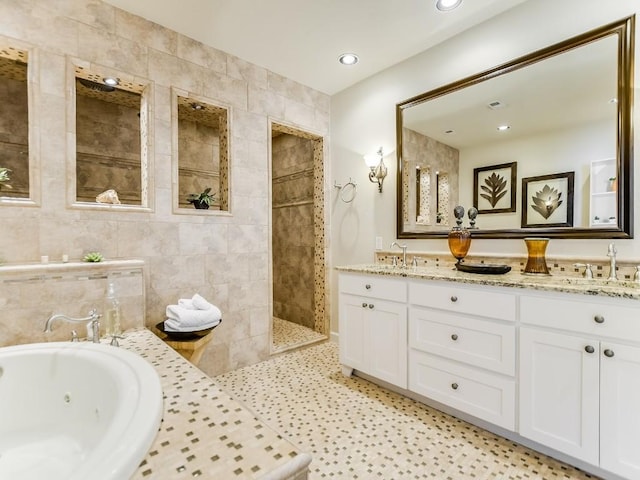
(201, 154)
(112, 154)
(14, 123)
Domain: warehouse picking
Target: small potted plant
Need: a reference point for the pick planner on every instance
(201, 200)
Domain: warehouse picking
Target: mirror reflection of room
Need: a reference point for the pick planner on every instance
(203, 163)
(14, 123)
(109, 138)
(554, 116)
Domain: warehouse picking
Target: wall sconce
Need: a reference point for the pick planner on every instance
(378, 169)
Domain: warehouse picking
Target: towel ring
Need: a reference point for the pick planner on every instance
(347, 191)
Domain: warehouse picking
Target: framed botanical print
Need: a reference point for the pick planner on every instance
(494, 188)
(547, 201)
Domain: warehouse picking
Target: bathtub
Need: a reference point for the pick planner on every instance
(75, 411)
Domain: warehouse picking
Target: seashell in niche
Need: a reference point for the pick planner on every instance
(108, 196)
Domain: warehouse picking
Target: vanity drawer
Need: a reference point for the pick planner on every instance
(373, 286)
(482, 301)
(484, 395)
(584, 315)
(480, 343)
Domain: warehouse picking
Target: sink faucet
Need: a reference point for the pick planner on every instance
(93, 319)
(404, 253)
(611, 253)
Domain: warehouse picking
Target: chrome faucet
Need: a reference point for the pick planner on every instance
(93, 319)
(611, 253)
(404, 253)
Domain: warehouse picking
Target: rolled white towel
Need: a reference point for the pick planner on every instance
(171, 325)
(192, 319)
(200, 303)
(186, 303)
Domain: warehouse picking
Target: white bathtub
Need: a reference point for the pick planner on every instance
(75, 411)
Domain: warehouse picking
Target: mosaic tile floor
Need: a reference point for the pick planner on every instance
(287, 335)
(357, 430)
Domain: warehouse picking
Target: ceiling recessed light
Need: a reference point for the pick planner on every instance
(112, 82)
(447, 5)
(348, 59)
(503, 128)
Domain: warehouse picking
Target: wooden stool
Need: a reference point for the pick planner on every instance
(192, 349)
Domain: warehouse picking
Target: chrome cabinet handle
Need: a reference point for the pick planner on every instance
(589, 349)
(364, 304)
(367, 286)
(454, 299)
(598, 319)
(608, 353)
(454, 386)
(454, 337)
(371, 305)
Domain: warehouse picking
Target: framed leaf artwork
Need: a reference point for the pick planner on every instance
(547, 201)
(494, 188)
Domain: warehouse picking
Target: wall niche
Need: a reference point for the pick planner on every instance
(201, 153)
(14, 123)
(112, 153)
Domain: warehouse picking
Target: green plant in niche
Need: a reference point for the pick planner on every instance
(201, 200)
(93, 257)
(4, 178)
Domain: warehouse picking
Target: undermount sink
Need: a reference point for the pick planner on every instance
(75, 411)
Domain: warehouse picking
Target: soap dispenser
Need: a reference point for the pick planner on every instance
(112, 312)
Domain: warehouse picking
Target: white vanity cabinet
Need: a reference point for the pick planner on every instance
(373, 326)
(462, 344)
(580, 379)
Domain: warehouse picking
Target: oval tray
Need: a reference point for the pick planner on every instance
(486, 268)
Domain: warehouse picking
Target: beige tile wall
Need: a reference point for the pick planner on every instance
(226, 257)
(293, 234)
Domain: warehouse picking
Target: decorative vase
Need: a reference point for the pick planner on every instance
(536, 261)
(459, 238)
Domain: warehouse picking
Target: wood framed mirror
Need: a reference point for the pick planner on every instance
(565, 108)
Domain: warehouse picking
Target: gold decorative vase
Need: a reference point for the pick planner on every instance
(536, 261)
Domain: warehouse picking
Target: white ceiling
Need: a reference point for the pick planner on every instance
(302, 39)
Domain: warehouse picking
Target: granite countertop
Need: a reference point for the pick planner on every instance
(204, 432)
(619, 289)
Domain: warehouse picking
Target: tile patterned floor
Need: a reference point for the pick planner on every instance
(288, 335)
(357, 430)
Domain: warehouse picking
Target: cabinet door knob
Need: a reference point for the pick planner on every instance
(371, 305)
(454, 386)
(454, 298)
(589, 349)
(364, 304)
(608, 353)
(454, 337)
(367, 286)
(598, 319)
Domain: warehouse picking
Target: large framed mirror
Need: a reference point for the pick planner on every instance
(541, 145)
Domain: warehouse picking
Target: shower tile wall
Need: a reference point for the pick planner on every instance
(293, 229)
(224, 257)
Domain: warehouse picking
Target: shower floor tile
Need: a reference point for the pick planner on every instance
(287, 335)
(357, 430)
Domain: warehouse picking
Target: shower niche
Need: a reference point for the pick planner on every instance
(200, 153)
(111, 163)
(18, 174)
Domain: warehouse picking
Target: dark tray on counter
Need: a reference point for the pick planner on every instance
(486, 268)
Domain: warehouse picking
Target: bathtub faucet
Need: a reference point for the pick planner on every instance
(93, 319)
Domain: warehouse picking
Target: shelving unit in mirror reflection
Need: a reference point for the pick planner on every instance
(603, 193)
